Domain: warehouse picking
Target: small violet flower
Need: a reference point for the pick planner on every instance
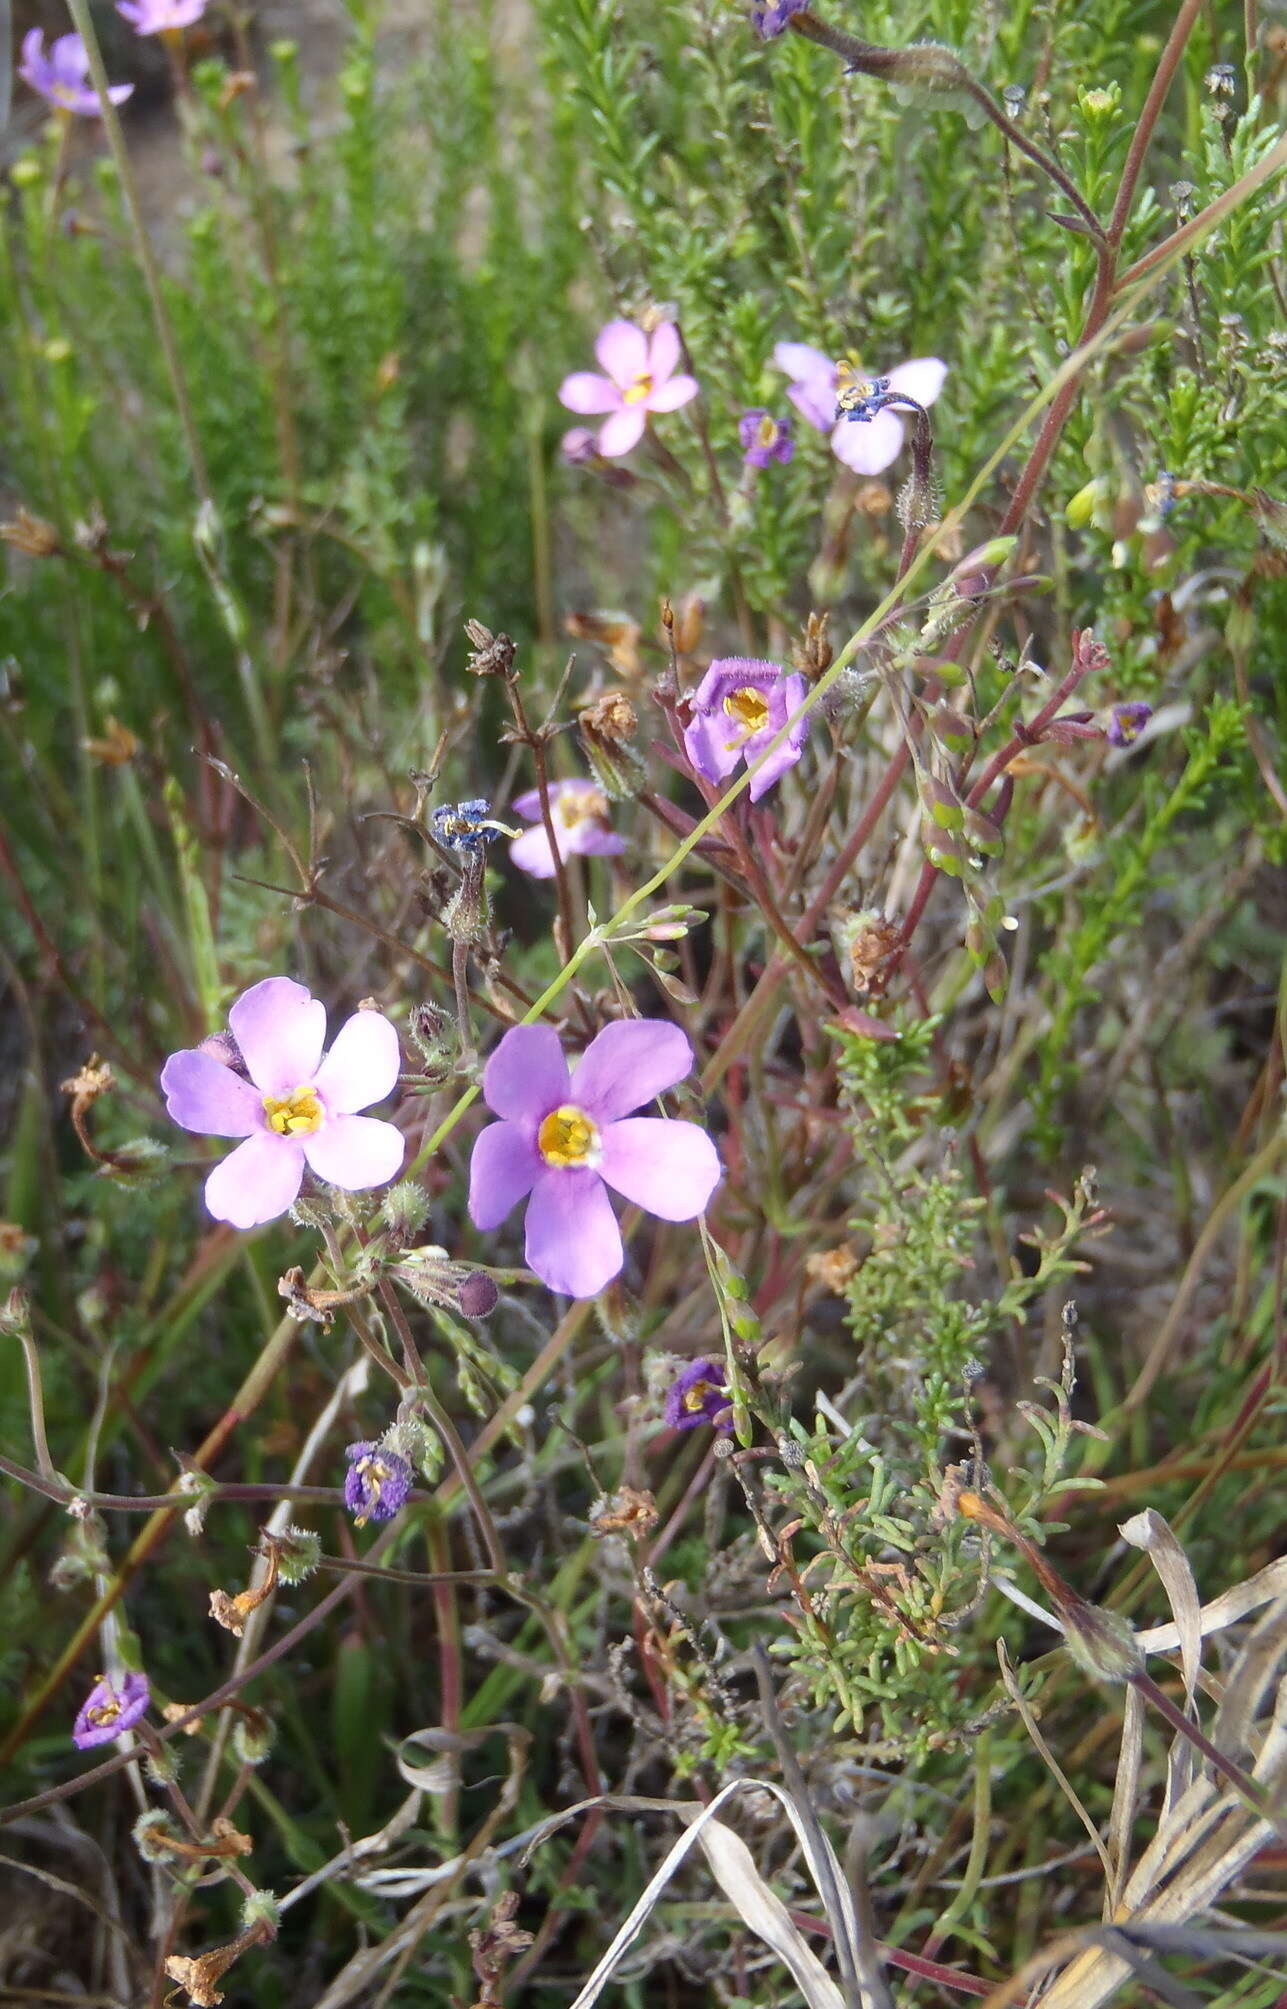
(771, 21)
(376, 1483)
(61, 77)
(739, 706)
(1127, 721)
(579, 813)
(160, 17)
(765, 438)
(640, 378)
(108, 1711)
(467, 826)
(699, 1395)
(565, 1138)
(867, 448)
(293, 1107)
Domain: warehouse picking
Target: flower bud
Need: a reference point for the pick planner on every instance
(1102, 1642)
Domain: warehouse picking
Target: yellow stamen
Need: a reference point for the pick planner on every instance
(750, 708)
(695, 1397)
(374, 1472)
(567, 1137)
(576, 806)
(295, 1115)
(767, 430)
(639, 390)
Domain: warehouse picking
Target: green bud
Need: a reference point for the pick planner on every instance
(298, 1553)
(1102, 1642)
(1083, 507)
(148, 1831)
(260, 1907)
(405, 1207)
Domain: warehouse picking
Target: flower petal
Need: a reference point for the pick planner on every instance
(711, 743)
(70, 57)
(527, 1075)
(362, 1066)
(280, 1029)
(868, 445)
(355, 1152)
(256, 1182)
(663, 353)
(627, 1064)
(622, 350)
(671, 1168)
(573, 1241)
(622, 431)
(585, 392)
(202, 1094)
(676, 391)
(502, 1171)
(921, 379)
(775, 766)
(532, 853)
(805, 364)
(529, 803)
(595, 841)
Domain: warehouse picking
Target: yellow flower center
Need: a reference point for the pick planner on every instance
(567, 1137)
(581, 806)
(695, 1397)
(750, 709)
(767, 430)
(640, 389)
(295, 1115)
(105, 1712)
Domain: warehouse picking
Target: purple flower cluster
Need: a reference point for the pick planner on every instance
(565, 1138)
(293, 1108)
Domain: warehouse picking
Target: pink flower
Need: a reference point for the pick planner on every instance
(640, 379)
(579, 813)
(296, 1109)
(565, 1139)
(870, 447)
(737, 710)
(109, 1712)
(60, 77)
(160, 17)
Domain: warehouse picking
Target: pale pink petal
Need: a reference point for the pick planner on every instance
(816, 402)
(670, 1168)
(362, 1066)
(803, 363)
(627, 1064)
(355, 1152)
(663, 354)
(622, 431)
(676, 391)
(585, 392)
(280, 1029)
(256, 1182)
(531, 852)
(922, 378)
(202, 1094)
(868, 445)
(573, 1241)
(622, 350)
(527, 1075)
(502, 1171)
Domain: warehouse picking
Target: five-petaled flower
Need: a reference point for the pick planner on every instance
(160, 17)
(640, 378)
(867, 448)
(765, 438)
(737, 710)
(376, 1483)
(699, 1395)
(1127, 721)
(61, 77)
(109, 1710)
(296, 1109)
(564, 1139)
(579, 813)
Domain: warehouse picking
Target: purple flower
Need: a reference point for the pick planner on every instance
(107, 1711)
(765, 438)
(60, 76)
(565, 1139)
(579, 447)
(771, 21)
(579, 813)
(867, 448)
(295, 1109)
(1127, 721)
(466, 827)
(160, 17)
(376, 1483)
(699, 1395)
(739, 706)
(640, 379)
